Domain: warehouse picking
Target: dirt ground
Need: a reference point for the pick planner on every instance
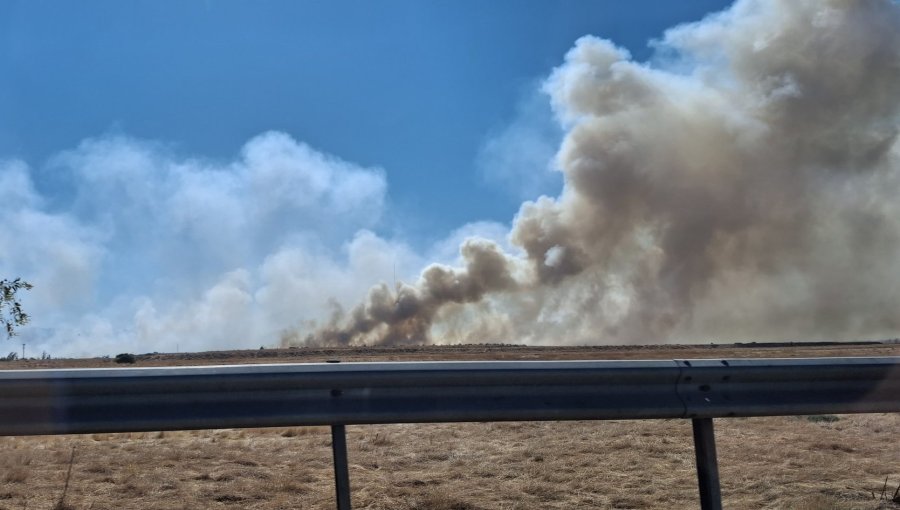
(817, 462)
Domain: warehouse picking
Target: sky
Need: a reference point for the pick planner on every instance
(221, 174)
(415, 88)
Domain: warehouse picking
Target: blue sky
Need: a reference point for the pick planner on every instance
(415, 88)
(164, 161)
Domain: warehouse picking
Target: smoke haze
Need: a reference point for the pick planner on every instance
(741, 186)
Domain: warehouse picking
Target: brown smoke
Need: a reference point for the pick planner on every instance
(406, 315)
(743, 186)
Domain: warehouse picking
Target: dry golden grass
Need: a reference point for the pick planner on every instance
(771, 463)
(469, 352)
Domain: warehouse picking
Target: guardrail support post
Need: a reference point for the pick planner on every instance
(707, 465)
(341, 469)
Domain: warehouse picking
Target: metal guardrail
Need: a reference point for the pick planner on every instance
(338, 394)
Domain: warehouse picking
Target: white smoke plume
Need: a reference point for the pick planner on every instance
(742, 185)
(132, 247)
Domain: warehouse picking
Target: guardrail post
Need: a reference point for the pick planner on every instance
(707, 465)
(341, 469)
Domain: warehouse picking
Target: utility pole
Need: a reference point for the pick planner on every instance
(23, 351)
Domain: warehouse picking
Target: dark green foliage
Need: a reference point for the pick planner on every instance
(822, 418)
(11, 314)
(125, 358)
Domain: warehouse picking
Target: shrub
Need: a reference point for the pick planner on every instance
(125, 358)
(11, 314)
(822, 418)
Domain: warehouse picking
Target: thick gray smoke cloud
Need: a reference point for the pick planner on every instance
(744, 185)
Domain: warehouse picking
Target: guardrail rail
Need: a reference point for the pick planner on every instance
(80, 401)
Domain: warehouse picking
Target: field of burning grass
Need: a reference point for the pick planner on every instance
(819, 462)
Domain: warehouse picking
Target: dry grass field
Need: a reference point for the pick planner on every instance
(821, 462)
